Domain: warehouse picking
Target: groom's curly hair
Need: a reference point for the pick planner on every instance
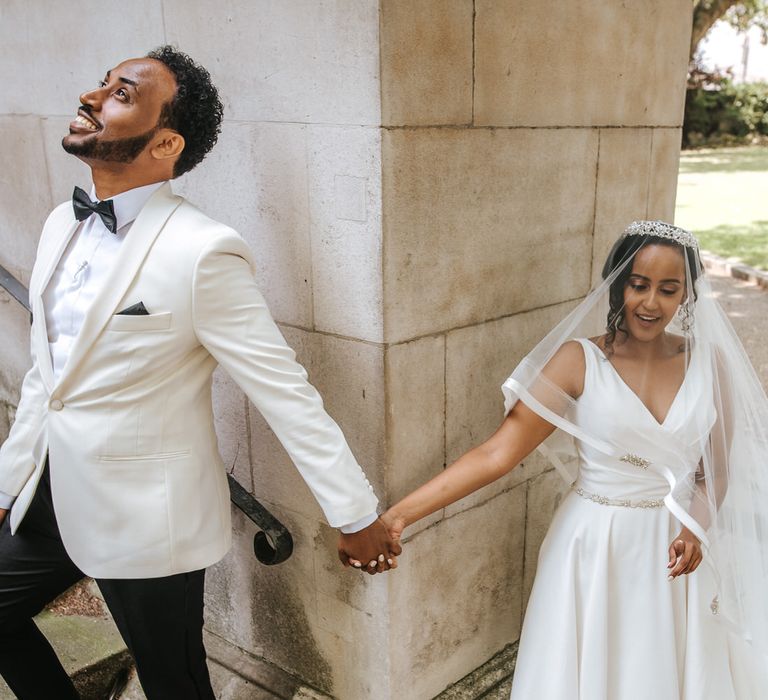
(195, 111)
(624, 249)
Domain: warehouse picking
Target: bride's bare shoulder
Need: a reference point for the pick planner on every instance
(567, 368)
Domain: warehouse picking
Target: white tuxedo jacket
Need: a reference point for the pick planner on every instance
(139, 488)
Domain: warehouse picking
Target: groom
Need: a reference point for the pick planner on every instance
(111, 468)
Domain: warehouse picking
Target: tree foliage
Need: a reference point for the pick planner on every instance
(741, 14)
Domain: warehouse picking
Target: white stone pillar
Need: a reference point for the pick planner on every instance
(519, 140)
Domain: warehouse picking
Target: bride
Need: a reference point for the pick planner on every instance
(652, 581)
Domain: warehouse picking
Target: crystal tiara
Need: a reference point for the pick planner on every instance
(662, 230)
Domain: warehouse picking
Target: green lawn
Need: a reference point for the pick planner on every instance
(722, 196)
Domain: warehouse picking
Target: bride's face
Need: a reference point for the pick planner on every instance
(654, 290)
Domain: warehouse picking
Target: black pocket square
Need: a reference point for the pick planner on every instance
(135, 310)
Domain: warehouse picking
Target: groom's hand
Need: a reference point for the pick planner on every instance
(372, 549)
(3, 513)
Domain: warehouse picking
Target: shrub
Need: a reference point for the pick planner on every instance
(719, 112)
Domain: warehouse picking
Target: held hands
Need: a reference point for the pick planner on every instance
(394, 523)
(372, 550)
(684, 554)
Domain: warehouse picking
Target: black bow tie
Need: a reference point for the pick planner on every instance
(84, 207)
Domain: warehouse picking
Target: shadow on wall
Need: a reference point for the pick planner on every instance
(269, 615)
(7, 413)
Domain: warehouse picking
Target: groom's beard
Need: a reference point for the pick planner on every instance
(117, 151)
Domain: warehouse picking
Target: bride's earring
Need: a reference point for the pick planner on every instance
(685, 316)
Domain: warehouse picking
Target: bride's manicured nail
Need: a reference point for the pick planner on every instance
(389, 561)
(381, 558)
(372, 563)
(357, 564)
(670, 578)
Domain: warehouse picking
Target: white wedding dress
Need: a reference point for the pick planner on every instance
(603, 622)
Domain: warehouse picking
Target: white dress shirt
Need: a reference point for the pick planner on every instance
(79, 277)
(82, 269)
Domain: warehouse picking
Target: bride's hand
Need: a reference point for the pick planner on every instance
(395, 527)
(394, 524)
(686, 550)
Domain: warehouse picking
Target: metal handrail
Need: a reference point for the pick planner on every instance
(15, 288)
(273, 543)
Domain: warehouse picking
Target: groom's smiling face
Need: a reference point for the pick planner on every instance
(118, 119)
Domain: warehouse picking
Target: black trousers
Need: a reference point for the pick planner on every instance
(160, 619)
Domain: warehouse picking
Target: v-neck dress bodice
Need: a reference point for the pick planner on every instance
(603, 622)
(608, 407)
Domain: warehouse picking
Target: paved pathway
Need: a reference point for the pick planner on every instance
(747, 306)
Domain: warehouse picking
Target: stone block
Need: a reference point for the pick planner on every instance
(5, 420)
(349, 377)
(308, 615)
(360, 592)
(415, 375)
(352, 631)
(545, 493)
(622, 187)
(238, 675)
(478, 361)
(456, 600)
(483, 223)
(665, 162)
(344, 165)
(426, 62)
(306, 61)
(25, 198)
(231, 420)
(362, 671)
(255, 180)
(271, 611)
(45, 66)
(16, 359)
(548, 63)
(275, 478)
(64, 171)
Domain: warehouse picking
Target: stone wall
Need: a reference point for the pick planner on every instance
(428, 185)
(519, 138)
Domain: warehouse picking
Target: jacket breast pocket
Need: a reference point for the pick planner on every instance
(137, 324)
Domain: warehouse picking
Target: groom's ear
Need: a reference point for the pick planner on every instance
(167, 144)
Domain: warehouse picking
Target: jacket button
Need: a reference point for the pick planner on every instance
(56, 405)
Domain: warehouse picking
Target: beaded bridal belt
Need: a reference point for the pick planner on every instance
(622, 502)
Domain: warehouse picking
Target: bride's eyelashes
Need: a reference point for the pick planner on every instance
(644, 287)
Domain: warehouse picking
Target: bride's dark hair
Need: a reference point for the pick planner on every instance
(625, 248)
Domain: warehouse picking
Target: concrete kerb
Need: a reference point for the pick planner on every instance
(734, 269)
(90, 649)
(492, 679)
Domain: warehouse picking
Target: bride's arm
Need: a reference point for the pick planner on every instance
(519, 434)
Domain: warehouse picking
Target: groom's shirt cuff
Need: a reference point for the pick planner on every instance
(352, 527)
(6, 502)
